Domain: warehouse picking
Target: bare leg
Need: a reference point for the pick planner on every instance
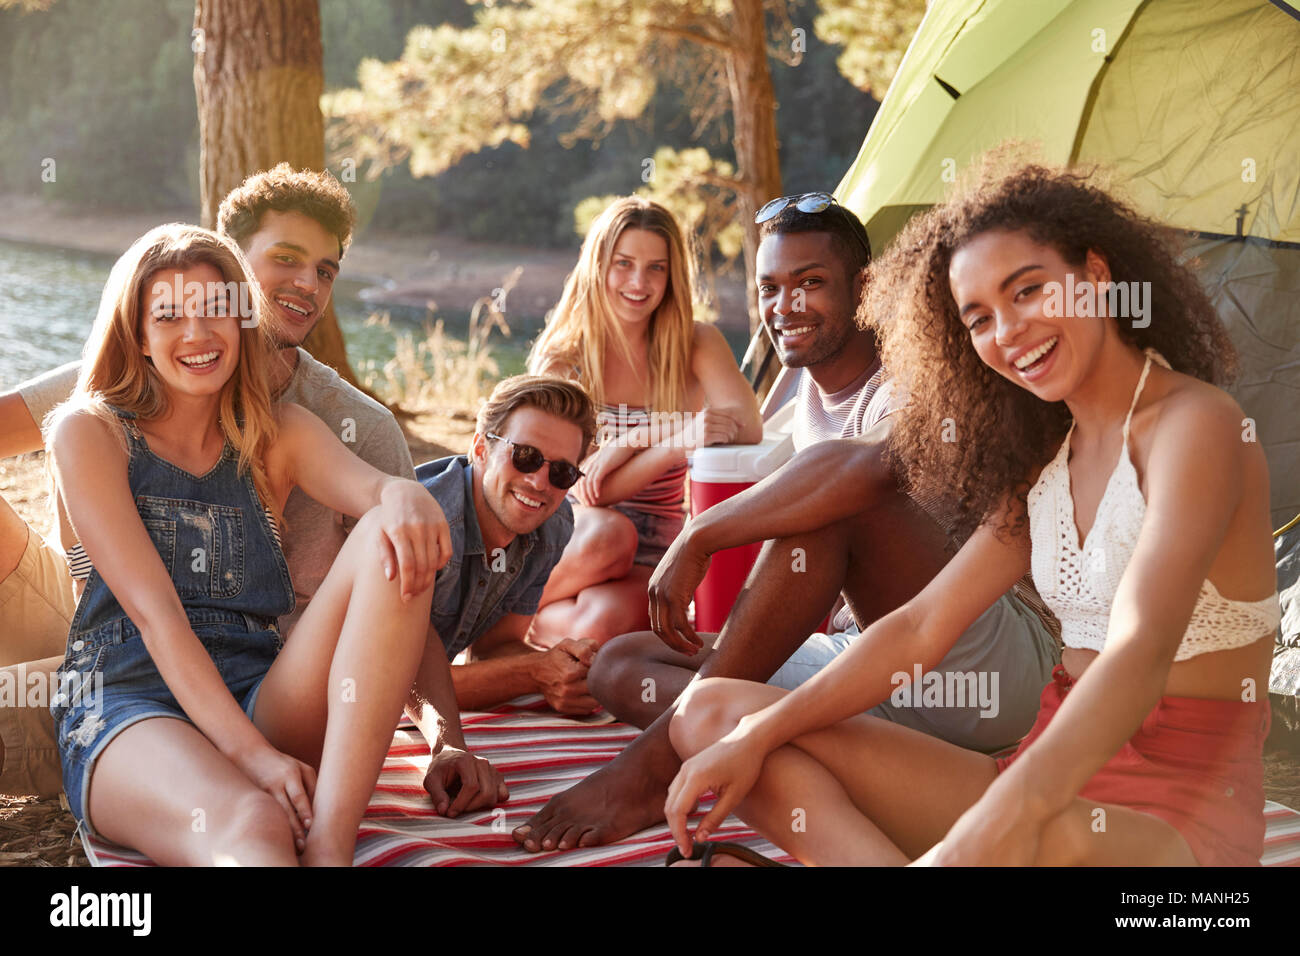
(335, 694)
(881, 557)
(601, 549)
(162, 788)
(619, 676)
(598, 613)
(42, 630)
(869, 792)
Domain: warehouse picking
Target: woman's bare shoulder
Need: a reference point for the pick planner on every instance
(558, 366)
(1190, 409)
(707, 334)
(1199, 429)
(78, 428)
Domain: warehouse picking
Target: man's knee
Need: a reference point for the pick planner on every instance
(622, 665)
(611, 666)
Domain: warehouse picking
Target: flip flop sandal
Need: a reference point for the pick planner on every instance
(704, 852)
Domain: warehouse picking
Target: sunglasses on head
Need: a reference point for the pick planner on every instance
(528, 459)
(806, 202)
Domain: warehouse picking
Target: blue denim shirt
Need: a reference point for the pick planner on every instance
(462, 585)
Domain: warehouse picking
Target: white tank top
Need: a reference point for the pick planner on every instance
(1079, 584)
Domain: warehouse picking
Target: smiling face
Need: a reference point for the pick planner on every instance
(518, 502)
(637, 277)
(190, 328)
(295, 261)
(1001, 284)
(806, 297)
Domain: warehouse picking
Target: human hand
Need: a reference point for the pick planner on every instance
(597, 468)
(561, 675)
(584, 492)
(290, 781)
(996, 831)
(712, 426)
(730, 768)
(671, 587)
(417, 536)
(459, 781)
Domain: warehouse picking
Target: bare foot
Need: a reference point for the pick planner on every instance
(616, 801)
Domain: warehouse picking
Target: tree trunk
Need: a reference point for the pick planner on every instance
(753, 108)
(258, 78)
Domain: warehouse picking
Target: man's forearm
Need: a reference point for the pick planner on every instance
(824, 483)
(432, 700)
(486, 683)
(19, 432)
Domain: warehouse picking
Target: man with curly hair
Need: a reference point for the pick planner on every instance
(836, 524)
(294, 227)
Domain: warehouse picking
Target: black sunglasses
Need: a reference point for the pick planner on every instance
(528, 459)
(810, 203)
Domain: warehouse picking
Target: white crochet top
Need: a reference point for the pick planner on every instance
(1079, 584)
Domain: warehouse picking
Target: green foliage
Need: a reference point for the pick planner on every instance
(456, 91)
(107, 91)
(103, 103)
(874, 34)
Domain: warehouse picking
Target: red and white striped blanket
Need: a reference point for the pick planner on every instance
(541, 754)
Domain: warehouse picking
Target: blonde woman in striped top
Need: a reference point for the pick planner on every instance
(663, 384)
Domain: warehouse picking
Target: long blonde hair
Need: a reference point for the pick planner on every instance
(583, 324)
(116, 372)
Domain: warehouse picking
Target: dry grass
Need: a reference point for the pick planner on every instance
(38, 833)
(438, 370)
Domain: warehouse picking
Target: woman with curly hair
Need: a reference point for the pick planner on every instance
(1083, 438)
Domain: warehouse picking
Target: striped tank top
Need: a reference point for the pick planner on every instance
(666, 495)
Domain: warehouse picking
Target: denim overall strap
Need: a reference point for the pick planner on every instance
(213, 536)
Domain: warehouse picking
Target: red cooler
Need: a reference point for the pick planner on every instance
(717, 473)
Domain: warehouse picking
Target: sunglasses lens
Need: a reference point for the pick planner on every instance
(527, 459)
(771, 208)
(814, 202)
(564, 475)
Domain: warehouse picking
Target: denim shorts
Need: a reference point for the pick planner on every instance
(654, 533)
(1008, 650)
(109, 682)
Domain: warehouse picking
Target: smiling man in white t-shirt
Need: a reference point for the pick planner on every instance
(838, 522)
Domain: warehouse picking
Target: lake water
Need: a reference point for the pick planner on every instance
(48, 299)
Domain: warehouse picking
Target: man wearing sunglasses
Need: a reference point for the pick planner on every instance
(836, 507)
(509, 520)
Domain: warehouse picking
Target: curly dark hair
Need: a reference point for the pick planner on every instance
(1004, 434)
(317, 195)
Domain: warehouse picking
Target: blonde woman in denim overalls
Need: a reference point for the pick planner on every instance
(188, 729)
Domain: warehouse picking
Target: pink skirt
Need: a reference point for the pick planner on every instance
(1195, 763)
